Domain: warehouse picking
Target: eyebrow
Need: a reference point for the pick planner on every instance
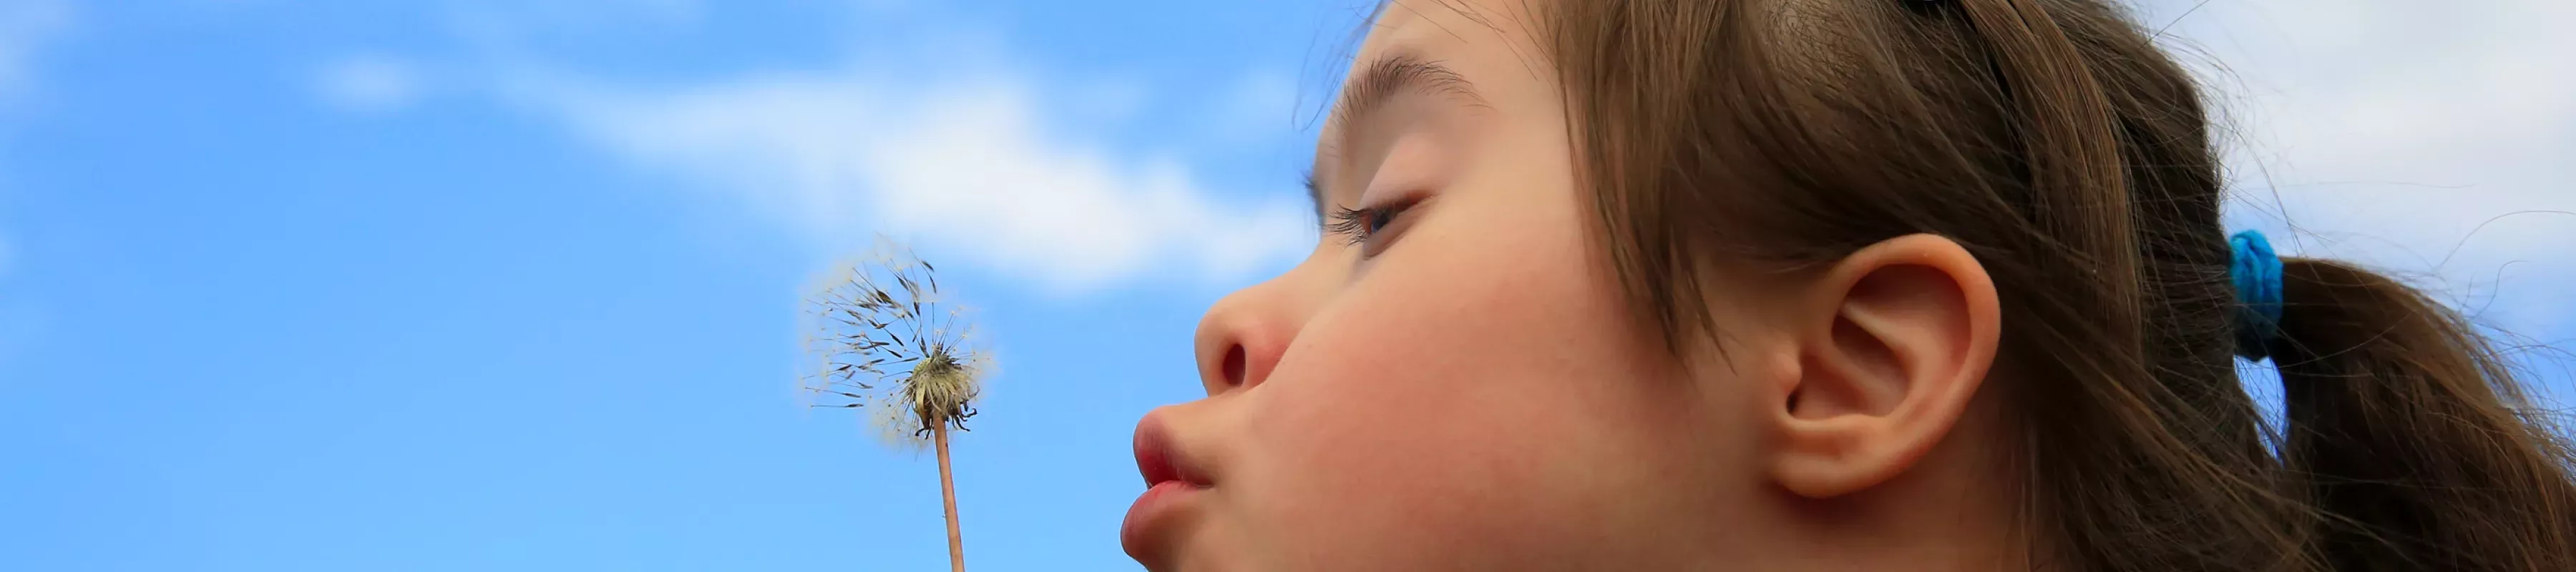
(1379, 84)
(1396, 75)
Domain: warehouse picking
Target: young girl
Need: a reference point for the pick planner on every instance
(1818, 285)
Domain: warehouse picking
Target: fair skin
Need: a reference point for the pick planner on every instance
(1465, 388)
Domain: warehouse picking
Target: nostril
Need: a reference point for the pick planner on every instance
(1233, 366)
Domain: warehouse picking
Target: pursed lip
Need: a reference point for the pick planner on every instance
(1171, 481)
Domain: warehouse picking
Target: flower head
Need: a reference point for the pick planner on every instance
(884, 340)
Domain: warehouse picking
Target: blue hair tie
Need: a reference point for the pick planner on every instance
(2257, 274)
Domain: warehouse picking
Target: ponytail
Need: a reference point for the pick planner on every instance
(2414, 440)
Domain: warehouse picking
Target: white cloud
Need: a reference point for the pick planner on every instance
(25, 26)
(368, 83)
(2391, 130)
(966, 164)
(1260, 105)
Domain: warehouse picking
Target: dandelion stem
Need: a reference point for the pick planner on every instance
(948, 500)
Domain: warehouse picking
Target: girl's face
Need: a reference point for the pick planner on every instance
(1451, 379)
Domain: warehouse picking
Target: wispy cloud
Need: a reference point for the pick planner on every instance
(368, 83)
(2393, 132)
(973, 164)
(25, 26)
(1260, 104)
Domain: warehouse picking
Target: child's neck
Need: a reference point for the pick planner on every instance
(1957, 509)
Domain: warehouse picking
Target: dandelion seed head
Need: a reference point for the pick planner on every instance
(885, 340)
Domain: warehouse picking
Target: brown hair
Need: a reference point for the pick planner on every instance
(2057, 143)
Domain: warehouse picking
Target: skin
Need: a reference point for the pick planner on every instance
(1466, 389)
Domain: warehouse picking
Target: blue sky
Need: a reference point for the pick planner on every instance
(514, 285)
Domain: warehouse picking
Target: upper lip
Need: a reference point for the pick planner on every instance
(1159, 460)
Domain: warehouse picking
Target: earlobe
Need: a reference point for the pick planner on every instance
(1893, 341)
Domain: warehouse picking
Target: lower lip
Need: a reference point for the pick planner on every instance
(1150, 507)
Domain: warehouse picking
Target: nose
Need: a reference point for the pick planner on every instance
(1241, 338)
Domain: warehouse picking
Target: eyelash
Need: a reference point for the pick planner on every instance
(1359, 225)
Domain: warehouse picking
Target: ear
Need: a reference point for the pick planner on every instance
(1892, 342)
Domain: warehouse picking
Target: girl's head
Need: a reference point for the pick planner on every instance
(1820, 284)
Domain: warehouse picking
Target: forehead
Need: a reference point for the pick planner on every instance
(1447, 26)
(1486, 41)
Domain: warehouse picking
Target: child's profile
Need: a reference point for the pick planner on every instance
(1818, 285)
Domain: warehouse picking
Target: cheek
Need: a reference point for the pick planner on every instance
(1481, 398)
